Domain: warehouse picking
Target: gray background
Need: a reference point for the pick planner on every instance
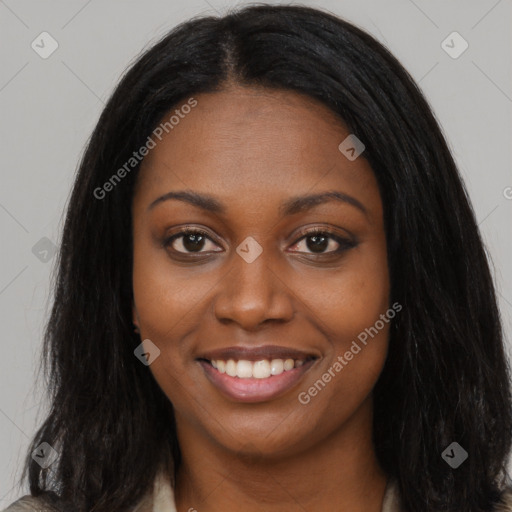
(50, 106)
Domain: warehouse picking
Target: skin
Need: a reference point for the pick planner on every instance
(253, 149)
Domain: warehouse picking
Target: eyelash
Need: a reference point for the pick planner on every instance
(344, 243)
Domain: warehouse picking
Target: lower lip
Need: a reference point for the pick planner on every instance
(255, 390)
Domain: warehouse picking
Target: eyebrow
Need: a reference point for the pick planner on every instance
(289, 207)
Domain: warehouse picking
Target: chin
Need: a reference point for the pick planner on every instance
(265, 440)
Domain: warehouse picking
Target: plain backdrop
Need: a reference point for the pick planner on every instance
(50, 106)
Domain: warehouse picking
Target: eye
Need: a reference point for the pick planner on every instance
(189, 240)
(320, 240)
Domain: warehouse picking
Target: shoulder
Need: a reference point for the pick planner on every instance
(392, 502)
(160, 498)
(505, 504)
(28, 504)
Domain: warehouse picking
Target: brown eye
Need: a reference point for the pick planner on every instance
(189, 241)
(322, 241)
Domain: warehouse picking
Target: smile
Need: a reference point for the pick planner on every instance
(263, 369)
(261, 380)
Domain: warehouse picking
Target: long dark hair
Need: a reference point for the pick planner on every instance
(446, 378)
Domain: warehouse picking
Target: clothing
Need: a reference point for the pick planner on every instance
(162, 500)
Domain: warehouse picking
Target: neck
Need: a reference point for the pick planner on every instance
(339, 473)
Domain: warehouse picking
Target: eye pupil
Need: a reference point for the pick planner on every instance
(319, 244)
(193, 241)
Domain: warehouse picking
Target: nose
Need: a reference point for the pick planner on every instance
(253, 293)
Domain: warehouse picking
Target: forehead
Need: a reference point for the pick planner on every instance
(246, 143)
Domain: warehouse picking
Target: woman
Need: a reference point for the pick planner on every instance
(272, 293)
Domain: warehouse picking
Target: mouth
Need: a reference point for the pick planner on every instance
(256, 374)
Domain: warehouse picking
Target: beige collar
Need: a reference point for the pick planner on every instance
(162, 499)
(163, 495)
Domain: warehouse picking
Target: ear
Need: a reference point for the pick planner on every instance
(135, 317)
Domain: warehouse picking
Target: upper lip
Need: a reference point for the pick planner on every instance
(256, 353)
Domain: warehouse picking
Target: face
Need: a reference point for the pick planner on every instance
(260, 306)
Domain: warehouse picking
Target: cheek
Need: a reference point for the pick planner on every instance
(171, 304)
(353, 297)
(348, 309)
(169, 299)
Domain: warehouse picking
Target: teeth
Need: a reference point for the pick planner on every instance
(231, 368)
(244, 369)
(276, 366)
(263, 369)
(289, 364)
